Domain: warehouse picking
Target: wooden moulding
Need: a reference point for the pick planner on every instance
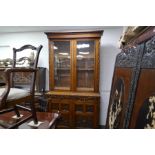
(67, 35)
(56, 93)
(144, 35)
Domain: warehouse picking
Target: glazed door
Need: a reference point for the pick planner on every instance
(74, 65)
(85, 65)
(61, 65)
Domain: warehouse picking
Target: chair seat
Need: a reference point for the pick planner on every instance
(15, 93)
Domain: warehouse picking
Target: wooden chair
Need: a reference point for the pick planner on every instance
(11, 96)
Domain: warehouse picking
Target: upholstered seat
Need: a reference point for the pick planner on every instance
(15, 93)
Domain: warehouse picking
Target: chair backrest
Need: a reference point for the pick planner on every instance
(26, 56)
(33, 59)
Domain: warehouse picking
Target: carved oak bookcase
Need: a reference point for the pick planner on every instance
(74, 78)
(132, 99)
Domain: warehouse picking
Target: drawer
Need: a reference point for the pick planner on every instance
(65, 121)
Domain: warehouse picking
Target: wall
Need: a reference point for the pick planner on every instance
(109, 49)
(108, 52)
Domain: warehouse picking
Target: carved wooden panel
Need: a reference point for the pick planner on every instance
(80, 111)
(145, 87)
(79, 108)
(149, 54)
(84, 115)
(84, 121)
(140, 89)
(65, 121)
(127, 58)
(121, 82)
(64, 106)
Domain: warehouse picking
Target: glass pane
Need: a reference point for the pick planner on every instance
(85, 64)
(61, 63)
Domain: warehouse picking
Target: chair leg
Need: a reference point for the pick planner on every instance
(16, 111)
(34, 115)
